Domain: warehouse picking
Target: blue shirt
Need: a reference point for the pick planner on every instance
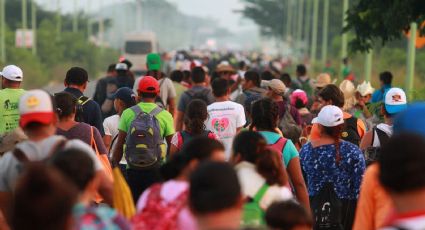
(289, 151)
(378, 95)
(320, 168)
(91, 111)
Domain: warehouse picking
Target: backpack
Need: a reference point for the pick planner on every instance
(327, 209)
(157, 214)
(186, 136)
(201, 95)
(144, 144)
(22, 157)
(81, 101)
(372, 153)
(350, 132)
(289, 127)
(253, 214)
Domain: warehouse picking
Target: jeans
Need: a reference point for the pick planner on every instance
(140, 179)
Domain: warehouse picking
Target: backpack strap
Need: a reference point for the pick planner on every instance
(261, 192)
(57, 147)
(279, 145)
(137, 110)
(83, 100)
(20, 156)
(156, 111)
(382, 137)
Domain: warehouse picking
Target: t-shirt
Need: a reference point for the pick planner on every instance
(251, 182)
(224, 119)
(166, 122)
(170, 191)
(100, 217)
(374, 205)
(10, 167)
(9, 113)
(179, 90)
(166, 89)
(82, 131)
(289, 151)
(110, 124)
(320, 167)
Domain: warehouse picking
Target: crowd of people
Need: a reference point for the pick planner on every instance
(211, 144)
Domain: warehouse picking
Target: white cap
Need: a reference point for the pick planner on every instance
(329, 116)
(36, 106)
(13, 73)
(121, 66)
(395, 100)
(365, 88)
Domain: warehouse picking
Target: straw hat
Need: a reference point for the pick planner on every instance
(225, 67)
(348, 89)
(323, 80)
(365, 88)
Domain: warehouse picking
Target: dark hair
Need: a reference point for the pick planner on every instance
(177, 76)
(335, 133)
(254, 77)
(214, 187)
(299, 104)
(200, 148)
(286, 215)
(242, 64)
(249, 144)
(386, 77)
(301, 69)
(43, 199)
(286, 79)
(76, 76)
(148, 95)
(333, 93)
(127, 62)
(345, 60)
(111, 68)
(75, 165)
(270, 166)
(220, 87)
(402, 163)
(198, 75)
(155, 74)
(264, 114)
(195, 116)
(65, 104)
(267, 75)
(187, 75)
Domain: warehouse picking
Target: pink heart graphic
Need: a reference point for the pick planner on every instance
(220, 124)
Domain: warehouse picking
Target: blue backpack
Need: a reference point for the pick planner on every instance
(144, 146)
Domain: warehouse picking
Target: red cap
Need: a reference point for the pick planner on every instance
(148, 84)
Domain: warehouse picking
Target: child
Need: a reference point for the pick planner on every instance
(288, 215)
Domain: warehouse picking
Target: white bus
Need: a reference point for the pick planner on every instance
(136, 48)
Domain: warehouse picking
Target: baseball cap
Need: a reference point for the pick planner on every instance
(12, 72)
(36, 106)
(299, 94)
(276, 85)
(411, 120)
(148, 84)
(365, 88)
(329, 116)
(121, 66)
(77, 76)
(125, 94)
(395, 100)
(153, 61)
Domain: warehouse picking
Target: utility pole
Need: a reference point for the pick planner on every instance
(89, 26)
(75, 18)
(34, 26)
(2, 31)
(307, 26)
(411, 52)
(300, 21)
(24, 21)
(314, 34)
(344, 35)
(368, 66)
(289, 20)
(138, 15)
(325, 32)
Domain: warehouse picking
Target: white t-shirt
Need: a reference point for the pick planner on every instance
(10, 167)
(110, 125)
(224, 119)
(167, 89)
(251, 182)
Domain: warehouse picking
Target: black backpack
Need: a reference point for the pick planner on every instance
(372, 153)
(81, 101)
(201, 95)
(327, 209)
(350, 132)
(186, 136)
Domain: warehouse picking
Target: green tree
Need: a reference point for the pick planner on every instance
(375, 21)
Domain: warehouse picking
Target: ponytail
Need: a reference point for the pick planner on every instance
(335, 133)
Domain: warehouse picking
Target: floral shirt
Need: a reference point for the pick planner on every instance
(320, 167)
(98, 218)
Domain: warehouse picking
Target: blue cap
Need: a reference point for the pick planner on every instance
(412, 120)
(125, 94)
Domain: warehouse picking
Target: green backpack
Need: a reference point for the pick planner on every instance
(253, 214)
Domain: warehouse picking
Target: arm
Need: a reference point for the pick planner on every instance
(296, 176)
(171, 106)
(105, 187)
(179, 120)
(367, 140)
(97, 118)
(107, 141)
(5, 205)
(361, 128)
(118, 150)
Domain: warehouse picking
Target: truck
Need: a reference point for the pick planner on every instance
(137, 46)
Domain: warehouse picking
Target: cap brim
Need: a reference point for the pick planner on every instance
(42, 117)
(392, 109)
(315, 121)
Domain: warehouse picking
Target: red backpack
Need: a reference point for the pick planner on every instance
(159, 214)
